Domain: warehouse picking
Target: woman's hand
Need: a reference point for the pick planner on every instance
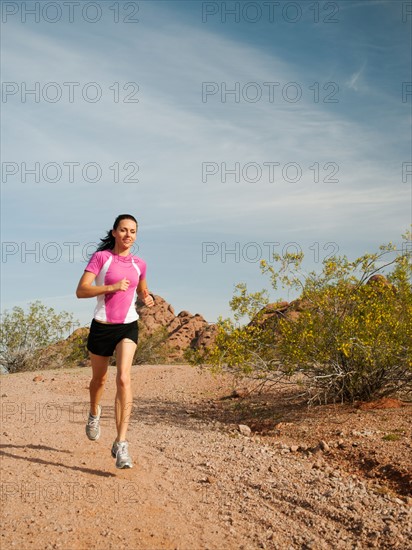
(144, 295)
(121, 285)
(148, 300)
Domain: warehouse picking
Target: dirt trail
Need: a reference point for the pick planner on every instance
(197, 483)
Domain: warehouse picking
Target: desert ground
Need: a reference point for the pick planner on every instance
(332, 476)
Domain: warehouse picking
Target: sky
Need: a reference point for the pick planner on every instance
(230, 130)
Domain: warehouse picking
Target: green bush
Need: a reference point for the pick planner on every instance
(77, 346)
(349, 337)
(25, 334)
(152, 349)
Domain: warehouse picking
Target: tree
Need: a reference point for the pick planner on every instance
(25, 334)
(349, 336)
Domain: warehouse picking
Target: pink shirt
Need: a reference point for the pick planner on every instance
(109, 268)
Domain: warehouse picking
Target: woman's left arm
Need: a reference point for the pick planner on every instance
(143, 293)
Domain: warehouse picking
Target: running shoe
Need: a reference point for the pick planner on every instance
(123, 459)
(115, 446)
(93, 425)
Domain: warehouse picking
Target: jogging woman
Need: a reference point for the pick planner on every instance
(118, 276)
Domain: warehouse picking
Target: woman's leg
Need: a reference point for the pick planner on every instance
(99, 375)
(123, 405)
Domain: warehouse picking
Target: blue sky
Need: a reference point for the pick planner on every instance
(318, 97)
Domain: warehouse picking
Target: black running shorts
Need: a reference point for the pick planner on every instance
(103, 338)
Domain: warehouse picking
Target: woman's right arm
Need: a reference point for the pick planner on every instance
(86, 288)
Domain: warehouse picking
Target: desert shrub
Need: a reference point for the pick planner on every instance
(241, 349)
(350, 341)
(77, 346)
(25, 334)
(152, 349)
(353, 343)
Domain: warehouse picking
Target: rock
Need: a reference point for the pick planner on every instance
(183, 330)
(374, 536)
(294, 448)
(205, 338)
(292, 315)
(207, 479)
(184, 313)
(239, 393)
(211, 480)
(324, 446)
(381, 281)
(38, 378)
(244, 430)
(270, 314)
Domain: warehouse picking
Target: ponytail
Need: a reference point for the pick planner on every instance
(107, 243)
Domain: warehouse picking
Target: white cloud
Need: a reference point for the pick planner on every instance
(355, 81)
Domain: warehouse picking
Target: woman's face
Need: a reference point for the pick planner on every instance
(124, 235)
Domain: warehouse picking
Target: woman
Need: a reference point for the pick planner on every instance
(118, 275)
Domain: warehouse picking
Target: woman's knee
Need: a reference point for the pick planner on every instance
(99, 379)
(123, 380)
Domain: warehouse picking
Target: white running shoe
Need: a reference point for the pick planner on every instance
(114, 449)
(123, 459)
(93, 425)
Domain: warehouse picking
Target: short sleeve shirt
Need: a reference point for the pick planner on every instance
(109, 268)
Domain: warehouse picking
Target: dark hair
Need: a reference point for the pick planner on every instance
(108, 242)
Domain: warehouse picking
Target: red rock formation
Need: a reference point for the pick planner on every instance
(183, 329)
